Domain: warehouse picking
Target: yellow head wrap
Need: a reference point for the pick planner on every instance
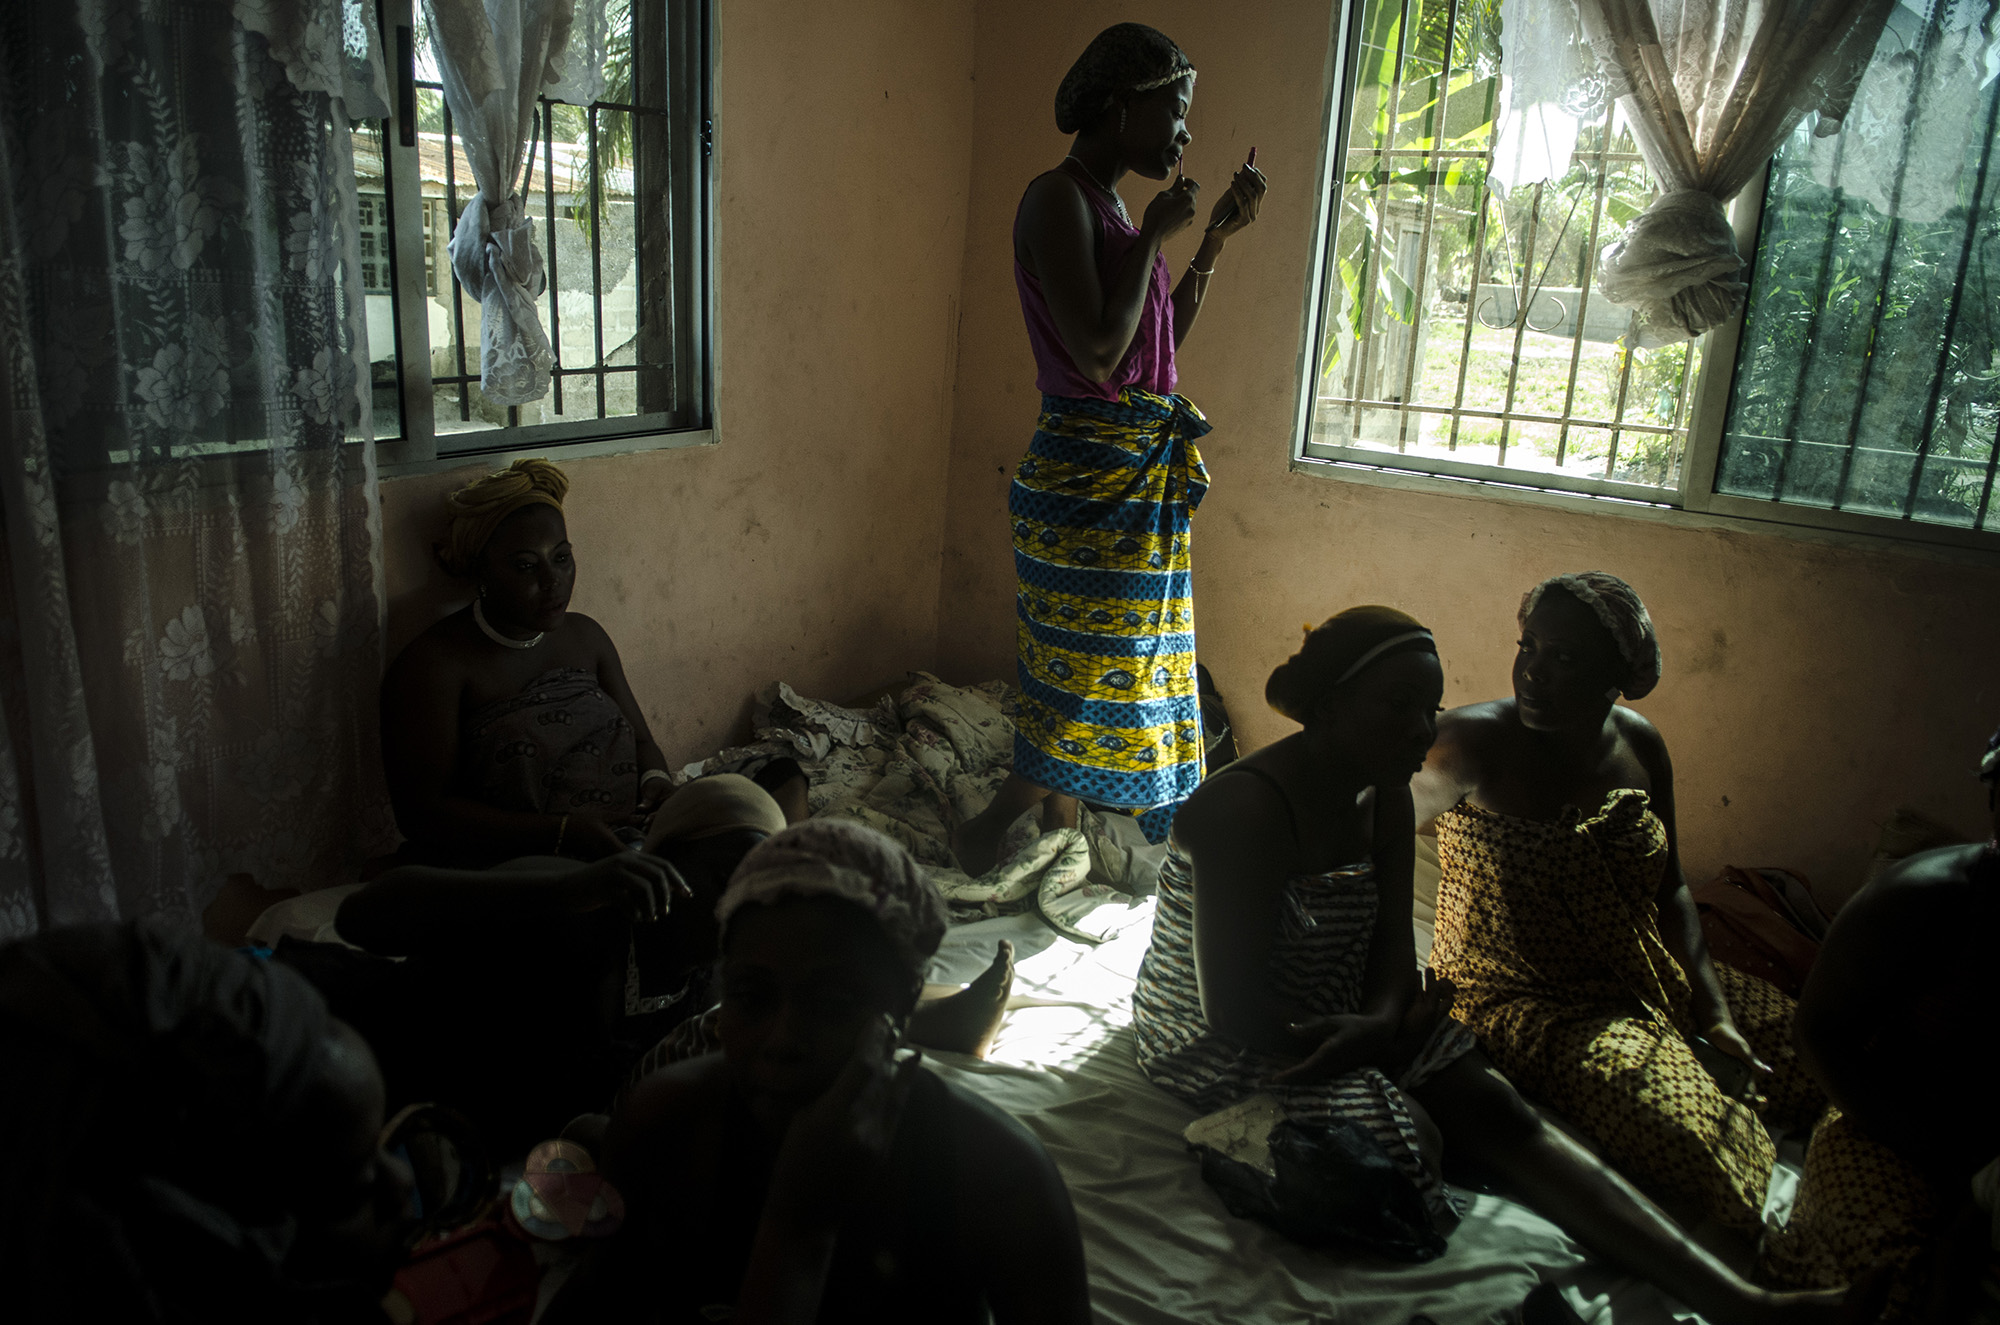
(478, 508)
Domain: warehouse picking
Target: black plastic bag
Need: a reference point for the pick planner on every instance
(1333, 1184)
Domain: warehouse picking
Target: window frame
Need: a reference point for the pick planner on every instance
(1694, 500)
(691, 112)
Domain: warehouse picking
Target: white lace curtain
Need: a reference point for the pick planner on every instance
(191, 595)
(494, 58)
(1909, 134)
(1710, 89)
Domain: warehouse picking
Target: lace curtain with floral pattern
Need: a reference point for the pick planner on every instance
(1710, 88)
(191, 604)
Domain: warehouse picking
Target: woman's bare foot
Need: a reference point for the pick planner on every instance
(1860, 1303)
(975, 844)
(791, 798)
(967, 1021)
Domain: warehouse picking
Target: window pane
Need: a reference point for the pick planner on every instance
(1868, 378)
(371, 186)
(1463, 326)
(600, 256)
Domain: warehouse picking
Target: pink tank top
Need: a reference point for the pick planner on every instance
(1148, 364)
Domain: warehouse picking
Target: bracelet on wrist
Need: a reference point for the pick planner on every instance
(1199, 272)
(652, 773)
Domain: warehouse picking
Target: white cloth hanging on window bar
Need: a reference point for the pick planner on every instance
(582, 65)
(1711, 88)
(494, 59)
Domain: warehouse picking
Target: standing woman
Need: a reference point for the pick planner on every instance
(1101, 503)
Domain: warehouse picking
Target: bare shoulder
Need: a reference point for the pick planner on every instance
(1897, 932)
(1469, 734)
(1053, 190)
(1224, 810)
(1053, 205)
(665, 1110)
(1643, 739)
(1930, 884)
(590, 637)
(999, 1164)
(688, 1084)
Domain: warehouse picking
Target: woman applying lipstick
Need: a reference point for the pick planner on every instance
(1101, 504)
(1566, 925)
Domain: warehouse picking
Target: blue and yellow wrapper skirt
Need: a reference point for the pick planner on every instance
(1101, 510)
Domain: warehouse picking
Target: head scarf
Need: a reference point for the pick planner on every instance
(718, 803)
(478, 508)
(1615, 604)
(1338, 651)
(1124, 58)
(149, 1072)
(841, 858)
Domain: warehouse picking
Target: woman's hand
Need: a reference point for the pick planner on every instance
(653, 793)
(1246, 193)
(1724, 1036)
(641, 886)
(1344, 1043)
(1171, 210)
(836, 1145)
(587, 837)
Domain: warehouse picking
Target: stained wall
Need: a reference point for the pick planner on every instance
(806, 545)
(1809, 688)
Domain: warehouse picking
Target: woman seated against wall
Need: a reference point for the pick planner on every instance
(508, 728)
(1283, 961)
(199, 1140)
(512, 740)
(1894, 1021)
(810, 1170)
(1566, 926)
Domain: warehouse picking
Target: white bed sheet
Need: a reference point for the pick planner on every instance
(1161, 1247)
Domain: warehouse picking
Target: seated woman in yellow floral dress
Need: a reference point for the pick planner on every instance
(1566, 925)
(1904, 1170)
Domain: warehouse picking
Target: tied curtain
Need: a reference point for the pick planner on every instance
(191, 596)
(1710, 88)
(494, 58)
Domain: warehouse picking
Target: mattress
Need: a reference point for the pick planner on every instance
(1160, 1245)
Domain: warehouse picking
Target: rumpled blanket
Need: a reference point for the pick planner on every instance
(926, 758)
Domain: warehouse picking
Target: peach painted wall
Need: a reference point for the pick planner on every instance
(1809, 688)
(806, 546)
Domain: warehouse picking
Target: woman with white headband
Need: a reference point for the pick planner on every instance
(1283, 962)
(813, 1169)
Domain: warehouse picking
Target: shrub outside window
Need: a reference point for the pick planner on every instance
(1457, 333)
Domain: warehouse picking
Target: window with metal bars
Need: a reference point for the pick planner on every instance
(1867, 382)
(626, 308)
(1457, 332)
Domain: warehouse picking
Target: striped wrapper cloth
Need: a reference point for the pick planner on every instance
(1101, 508)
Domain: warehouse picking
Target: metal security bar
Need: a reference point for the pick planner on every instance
(1462, 326)
(1864, 384)
(626, 307)
(597, 370)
